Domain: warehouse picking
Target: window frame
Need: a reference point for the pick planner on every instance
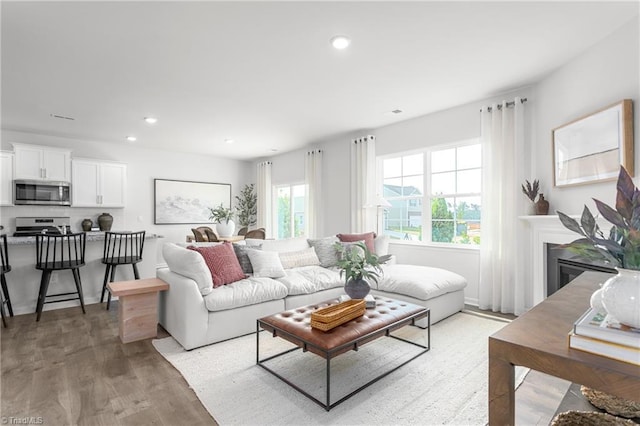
(292, 213)
(427, 196)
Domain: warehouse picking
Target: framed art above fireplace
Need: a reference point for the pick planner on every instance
(592, 148)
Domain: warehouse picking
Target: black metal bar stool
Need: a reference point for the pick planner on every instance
(120, 248)
(4, 268)
(57, 253)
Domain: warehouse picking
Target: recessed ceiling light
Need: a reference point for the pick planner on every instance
(229, 141)
(132, 138)
(274, 150)
(151, 120)
(394, 112)
(340, 42)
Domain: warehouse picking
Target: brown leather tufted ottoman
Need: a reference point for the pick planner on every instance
(295, 326)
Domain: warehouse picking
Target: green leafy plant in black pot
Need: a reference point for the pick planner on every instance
(357, 264)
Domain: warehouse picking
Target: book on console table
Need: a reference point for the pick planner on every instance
(601, 326)
(369, 301)
(604, 348)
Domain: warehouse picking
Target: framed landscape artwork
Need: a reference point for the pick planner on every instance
(592, 148)
(183, 202)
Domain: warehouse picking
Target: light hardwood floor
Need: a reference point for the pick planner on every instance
(72, 369)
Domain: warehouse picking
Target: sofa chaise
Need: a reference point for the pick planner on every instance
(278, 275)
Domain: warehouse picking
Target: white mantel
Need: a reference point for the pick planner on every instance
(547, 229)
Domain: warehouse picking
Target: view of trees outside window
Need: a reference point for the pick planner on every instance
(456, 184)
(453, 180)
(290, 214)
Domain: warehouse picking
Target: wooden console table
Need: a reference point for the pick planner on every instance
(538, 340)
(138, 307)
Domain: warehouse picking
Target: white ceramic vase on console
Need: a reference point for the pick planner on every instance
(226, 229)
(620, 297)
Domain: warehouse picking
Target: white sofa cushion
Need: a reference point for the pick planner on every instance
(249, 291)
(285, 245)
(381, 244)
(266, 264)
(310, 279)
(420, 282)
(190, 264)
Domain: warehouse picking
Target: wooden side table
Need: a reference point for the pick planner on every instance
(138, 307)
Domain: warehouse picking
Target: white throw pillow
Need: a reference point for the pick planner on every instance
(266, 264)
(190, 264)
(297, 259)
(285, 245)
(381, 244)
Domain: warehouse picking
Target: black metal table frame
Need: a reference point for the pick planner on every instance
(328, 354)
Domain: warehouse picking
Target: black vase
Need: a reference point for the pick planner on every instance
(86, 225)
(105, 220)
(357, 289)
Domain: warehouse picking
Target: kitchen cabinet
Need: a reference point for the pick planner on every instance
(97, 183)
(41, 163)
(6, 179)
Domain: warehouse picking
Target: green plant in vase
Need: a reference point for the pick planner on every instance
(223, 216)
(620, 248)
(357, 264)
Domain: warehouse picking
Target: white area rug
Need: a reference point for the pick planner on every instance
(447, 385)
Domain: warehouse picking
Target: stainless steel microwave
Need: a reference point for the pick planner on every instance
(39, 192)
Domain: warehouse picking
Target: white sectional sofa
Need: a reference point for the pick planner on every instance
(196, 314)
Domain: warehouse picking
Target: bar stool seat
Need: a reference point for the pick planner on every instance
(5, 267)
(120, 248)
(58, 253)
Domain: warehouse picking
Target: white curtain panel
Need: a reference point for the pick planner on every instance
(263, 191)
(503, 152)
(313, 181)
(363, 179)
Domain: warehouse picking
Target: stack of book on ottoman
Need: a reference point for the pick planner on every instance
(599, 334)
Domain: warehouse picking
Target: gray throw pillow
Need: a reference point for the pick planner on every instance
(243, 257)
(325, 250)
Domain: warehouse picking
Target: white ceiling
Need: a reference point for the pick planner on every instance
(264, 74)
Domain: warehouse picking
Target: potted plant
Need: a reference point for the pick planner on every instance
(358, 265)
(247, 206)
(621, 248)
(540, 207)
(222, 217)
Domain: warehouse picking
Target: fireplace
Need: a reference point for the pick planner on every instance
(563, 266)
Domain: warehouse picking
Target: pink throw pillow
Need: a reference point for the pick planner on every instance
(222, 262)
(366, 237)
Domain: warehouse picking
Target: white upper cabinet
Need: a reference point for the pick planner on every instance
(98, 183)
(6, 179)
(42, 163)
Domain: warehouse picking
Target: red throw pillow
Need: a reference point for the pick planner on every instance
(222, 262)
(367, 237)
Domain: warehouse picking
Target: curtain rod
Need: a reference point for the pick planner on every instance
(509, 104)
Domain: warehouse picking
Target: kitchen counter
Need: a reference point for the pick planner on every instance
(91, 236)
(24, 279)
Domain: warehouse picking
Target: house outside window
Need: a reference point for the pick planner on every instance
(447, 180)
(289, 205)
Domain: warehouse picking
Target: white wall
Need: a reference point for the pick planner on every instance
(143, 166)
(603, 75)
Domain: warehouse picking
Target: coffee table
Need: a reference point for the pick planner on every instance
(295, 326)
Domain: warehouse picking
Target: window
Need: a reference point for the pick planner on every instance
(289, 211)
(403, 184)
(452, 177)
